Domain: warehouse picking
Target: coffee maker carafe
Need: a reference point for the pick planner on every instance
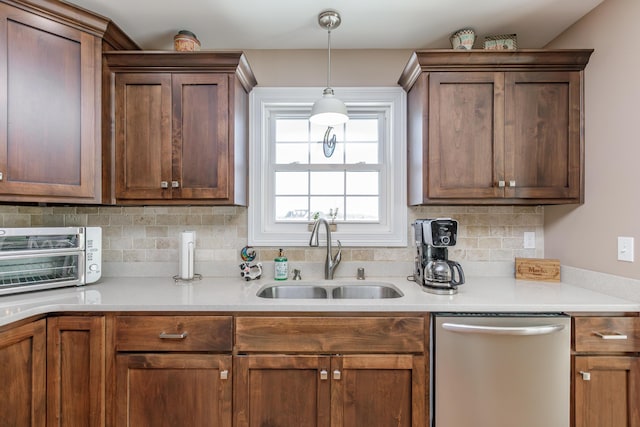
(434, 271)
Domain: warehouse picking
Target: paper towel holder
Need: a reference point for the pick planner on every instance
(186, 258)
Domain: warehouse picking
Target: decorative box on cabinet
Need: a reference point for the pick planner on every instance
(495, 127)
(50, 95)
(606, 371)
(330, 371)
(180, 128)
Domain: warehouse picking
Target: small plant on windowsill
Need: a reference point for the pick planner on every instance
(331, 218)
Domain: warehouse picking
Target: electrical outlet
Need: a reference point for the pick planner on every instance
(625, 249)
(529, 240)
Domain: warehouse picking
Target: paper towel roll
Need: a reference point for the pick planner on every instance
(186, 254)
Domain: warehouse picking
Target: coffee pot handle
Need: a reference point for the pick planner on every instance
(455, 266)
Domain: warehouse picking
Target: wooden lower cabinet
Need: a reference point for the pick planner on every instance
(607, 391)
(23, 373)
(329, 391)
(282, 391)
(76, 371)
(171, 390)
(606, 371)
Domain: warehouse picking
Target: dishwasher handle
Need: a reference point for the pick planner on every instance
(503, 330)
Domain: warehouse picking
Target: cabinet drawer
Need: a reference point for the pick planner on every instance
(173, 333)
(607, 334)
(331, 334)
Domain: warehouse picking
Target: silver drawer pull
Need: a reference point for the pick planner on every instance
(224, 374)
(164, 184)
(586, 375)
(175, 184)
(501, 184)
(336, 374)
(164, 336)
(324, 374)
(611, 336)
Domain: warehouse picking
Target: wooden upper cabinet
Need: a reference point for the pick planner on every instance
(181, 127)
(50, 81)
(143, 135)
(487, 127)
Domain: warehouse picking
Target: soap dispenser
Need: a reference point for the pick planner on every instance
(281, 266)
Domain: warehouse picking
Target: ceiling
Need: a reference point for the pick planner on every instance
(366, 24)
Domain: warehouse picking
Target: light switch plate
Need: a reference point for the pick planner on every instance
(625, 249)
(529, 240)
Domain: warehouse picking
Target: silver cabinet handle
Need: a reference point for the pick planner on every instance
(502, 330)
(175, 184)
(164, 184)
(501, 184)
(612, 336)
(586, 375)
(165, 336)
(1, 176)
(512, 183)
(324, 374)
(336, 374)
(224, 374)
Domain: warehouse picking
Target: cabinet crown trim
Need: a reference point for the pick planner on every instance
(485, 60)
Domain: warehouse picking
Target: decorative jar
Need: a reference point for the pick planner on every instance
(186, 41)
(463, 39)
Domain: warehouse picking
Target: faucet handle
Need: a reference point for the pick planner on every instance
(338, 256)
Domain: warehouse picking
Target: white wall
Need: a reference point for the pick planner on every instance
(349, 68)
(586, 236)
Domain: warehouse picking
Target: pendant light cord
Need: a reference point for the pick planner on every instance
(329, 61)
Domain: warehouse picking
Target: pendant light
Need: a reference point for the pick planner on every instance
(329, 110)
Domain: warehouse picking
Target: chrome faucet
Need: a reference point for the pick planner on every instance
(331, 262)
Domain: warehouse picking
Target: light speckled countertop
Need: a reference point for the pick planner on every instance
(480, 294)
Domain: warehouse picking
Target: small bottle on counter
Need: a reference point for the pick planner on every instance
(281, 264)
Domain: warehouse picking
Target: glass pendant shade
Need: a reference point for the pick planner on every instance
(328, 110)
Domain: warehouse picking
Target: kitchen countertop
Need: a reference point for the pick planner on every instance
(480, 294)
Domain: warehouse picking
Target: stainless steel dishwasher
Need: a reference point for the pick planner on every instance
(500, 370)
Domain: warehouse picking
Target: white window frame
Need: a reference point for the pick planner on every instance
(391, 231)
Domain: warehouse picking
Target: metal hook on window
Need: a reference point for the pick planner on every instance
(329, 142)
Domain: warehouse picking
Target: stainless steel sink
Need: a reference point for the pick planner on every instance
(330, 290)
(365, 292)
(293, 291)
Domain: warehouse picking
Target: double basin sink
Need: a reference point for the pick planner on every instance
(330, 290)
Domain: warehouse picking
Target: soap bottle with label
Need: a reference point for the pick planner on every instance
(281, 266)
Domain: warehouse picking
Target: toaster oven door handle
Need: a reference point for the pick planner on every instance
(165, 336)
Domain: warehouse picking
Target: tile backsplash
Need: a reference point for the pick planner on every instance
(151, 234)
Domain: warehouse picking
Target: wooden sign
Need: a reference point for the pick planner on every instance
(546, 270)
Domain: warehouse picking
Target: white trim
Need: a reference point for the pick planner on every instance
(392, 232)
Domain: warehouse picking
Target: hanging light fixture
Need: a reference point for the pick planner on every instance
(329, 110)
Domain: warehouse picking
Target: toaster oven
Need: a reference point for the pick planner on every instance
(34, 259)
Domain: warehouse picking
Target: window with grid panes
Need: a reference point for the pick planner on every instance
(360, 186)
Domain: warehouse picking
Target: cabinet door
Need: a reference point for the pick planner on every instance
(466, 135)
(282, 391)
(201, 136)
(49, 81)
(75, 371)
(23, 370)
(378, 391)
(607, 391)
(543, 135)
(168, 390)
(143, 136)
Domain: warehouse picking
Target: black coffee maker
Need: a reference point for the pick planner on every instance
(434, 271)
